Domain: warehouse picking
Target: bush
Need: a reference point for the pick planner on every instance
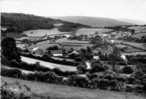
(127, 70)
(81, 68)
(11, 73)
(23, 91)
(26, 66)
(79, 81)
(103, 80)
(144, 82)
(63, 73)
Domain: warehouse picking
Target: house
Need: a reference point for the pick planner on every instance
(67, 35)
(96, 57)
(3, 29)
(58, 24)
(56, 52)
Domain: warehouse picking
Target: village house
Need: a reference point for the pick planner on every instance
(56, 52)
(3, 29)
(58, 24)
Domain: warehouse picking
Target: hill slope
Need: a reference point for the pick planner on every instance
(67, 92)
(93, 21)
(22, 22)
(138, 22)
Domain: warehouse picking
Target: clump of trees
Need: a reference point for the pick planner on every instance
(9, 50)
(106, 50)
(127, 70)
(135, 39)
(110, 81)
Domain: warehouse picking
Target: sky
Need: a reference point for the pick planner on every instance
(118, 9)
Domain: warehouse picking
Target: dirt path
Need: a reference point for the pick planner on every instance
(72, 92)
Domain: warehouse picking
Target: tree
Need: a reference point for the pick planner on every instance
(86, 54)
(9, 49)
(108, 51)
(114, 56)
(55, 47)
(97, 67)
(127, 70)
(143, 39)
(97, 40)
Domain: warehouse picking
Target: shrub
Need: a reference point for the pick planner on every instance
(24, 92)
(79, 81)
(81, 68)
(11, 72)
(127, 70)
(144, 82)
(97, 67)
(63, 73)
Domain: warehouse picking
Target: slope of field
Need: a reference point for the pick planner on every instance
(66, 92)
(55, 31)
(91, 31)
(138, 22)
(93, 21)
(132, 44)
(43, 32)
(19, 22)
(48, 64)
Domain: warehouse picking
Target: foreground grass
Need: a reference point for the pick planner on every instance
(44, 90)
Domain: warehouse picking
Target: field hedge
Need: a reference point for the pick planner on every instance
(104, 81)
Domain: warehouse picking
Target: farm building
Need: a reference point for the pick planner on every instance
(3, 29)
(56, 52)
(58, 24)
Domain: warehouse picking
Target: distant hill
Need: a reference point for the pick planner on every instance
(19, 22)
(137, 22)
(94, 21)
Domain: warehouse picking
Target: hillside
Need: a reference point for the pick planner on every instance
(137, 22)
(93, 21)
(20, 22)
(66, 92)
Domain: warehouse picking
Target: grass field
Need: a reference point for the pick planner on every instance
(132, 44)
(55, 31)
(42, 32)
(139, 35)
(138, 28)
(49, 65)
(91, 31)
(66, 92)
